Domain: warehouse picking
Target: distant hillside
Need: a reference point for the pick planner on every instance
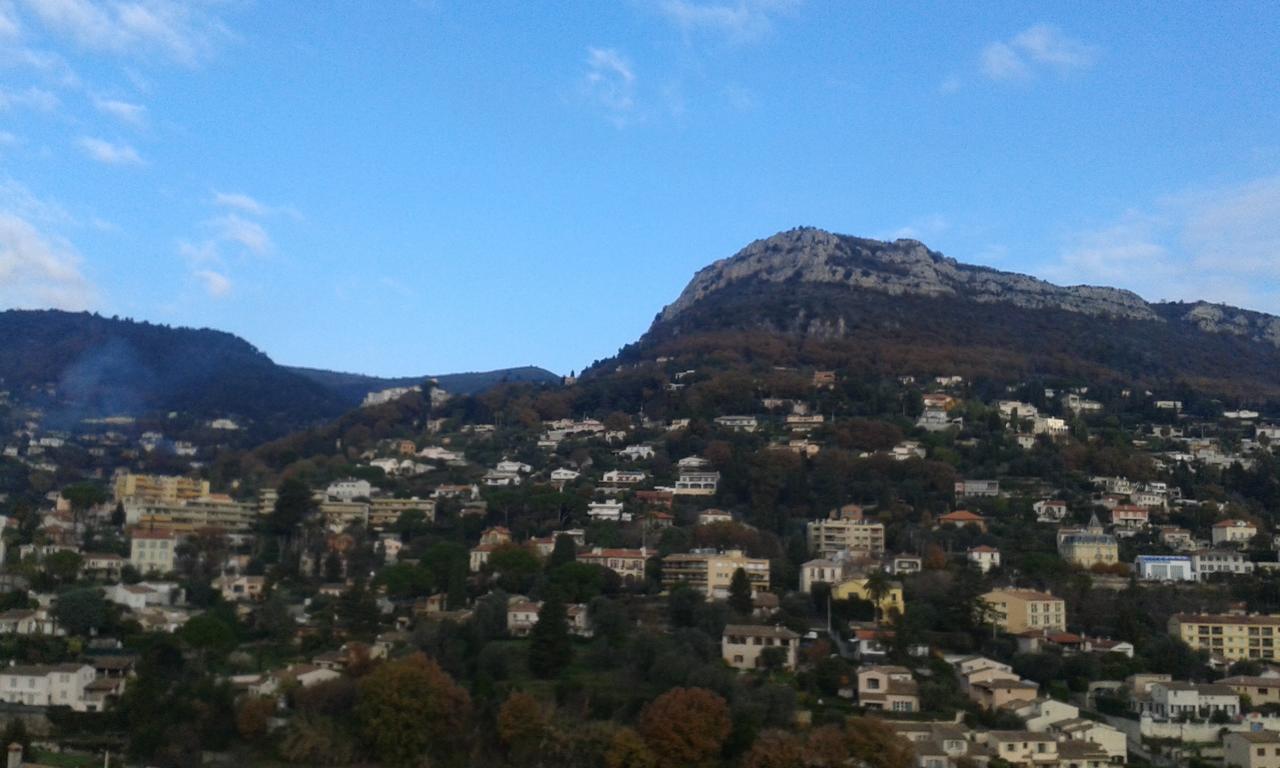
(352, 387)
(812, 297)
(80, 365)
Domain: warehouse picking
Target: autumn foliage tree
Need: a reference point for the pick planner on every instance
(524, 726)
(685, 727)
(410, 709)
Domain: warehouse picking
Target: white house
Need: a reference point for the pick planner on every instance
(609, 509)
(349, 489)
(1233, 532)
(153, 551)
(636, 452)
(984, 557)
(44, 686)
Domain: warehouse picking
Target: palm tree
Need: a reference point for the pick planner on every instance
(877, 588)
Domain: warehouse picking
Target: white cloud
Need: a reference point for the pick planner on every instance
(180, 31)
(249, 234)
(124, 111)
(740, 21)
(10, 29)
(22, 202)
(37, 271)
(30, 98)
(216, 284)
(1220, 244)
(1034, 49)
(611, 82)
(108, 153)
(239, 202)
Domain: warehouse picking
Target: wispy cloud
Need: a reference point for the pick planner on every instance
(108, 153)
(239, 201)
(39, 271)
(10, 29)
(610, 81)
(1035, 49)
(1216, 244)
(29, 98)
(124, 111)
(216, 284)
(740, 21)
(180, 31)
(248, 234)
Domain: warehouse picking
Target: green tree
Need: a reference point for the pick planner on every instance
(566, 551)
(63, 566)
(740, 592)
(550, 647)
(80, 611)
(294, 506)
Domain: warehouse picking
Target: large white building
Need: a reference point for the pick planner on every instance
(44, 686)
(1165, 568)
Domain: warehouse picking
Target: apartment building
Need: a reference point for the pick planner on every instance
(846, 530)
(1018, 610)
(710, 571)
(126, 485)
(1234, 637)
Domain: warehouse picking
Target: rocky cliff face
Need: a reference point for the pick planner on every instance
(907, 267)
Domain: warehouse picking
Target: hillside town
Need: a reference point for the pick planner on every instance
(938, 571)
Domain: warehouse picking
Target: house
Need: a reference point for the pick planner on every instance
(609, 509)
(562, 476)
(977, 488)
(737, 423)
(1173, 700)
(1207, 562)
(1233, 532)
(984, 557)
(1111, 740)
(888, 688)
(820, 572)
(46, 685)
(522, 616)
(891, 600)
(696, 483)
(153, 550)
(1130, 517)
(934, 419)
(1023, 748)
(846, 530)
(742, 646)
(1251, 749)
(1164, 568)
(961, 518)
(1260, 689)
(904, 564)
(21, 621)
(1050, 511)
(624, 477)
(710, 571)
(238, 588)
(1017, 610)
(1176, 538)
(627, 563)
(1003, 692)
(710, 516)
(349, 489)
(1089, 546)
(636, 452)
(102, 566)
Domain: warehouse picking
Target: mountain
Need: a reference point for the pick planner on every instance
(354, 386)
(811, 296)
(82, 365)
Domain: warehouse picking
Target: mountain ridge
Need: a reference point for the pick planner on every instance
(908, 267)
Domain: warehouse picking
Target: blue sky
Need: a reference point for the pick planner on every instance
(407, 187)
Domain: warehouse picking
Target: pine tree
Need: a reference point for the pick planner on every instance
(550, 648)
(565, 552)
(740, 592)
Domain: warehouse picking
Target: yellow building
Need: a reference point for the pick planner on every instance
(1234, 637)
(892, 599)
(158, 487)
(385, 511)
(710, 571)
(1018, 610)
(216, 511)
(1087, 547)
